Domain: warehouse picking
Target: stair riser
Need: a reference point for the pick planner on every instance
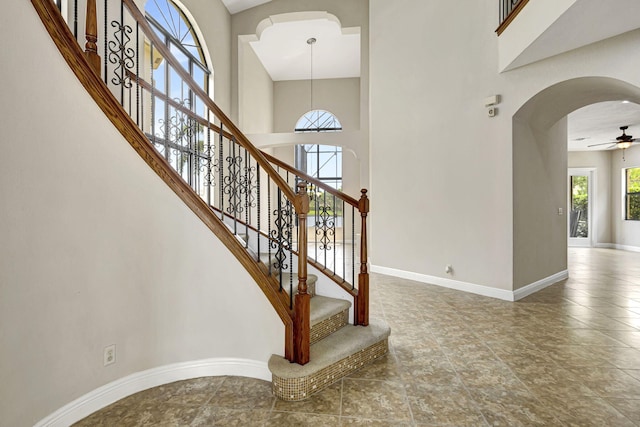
(295, 389)
(328, 326)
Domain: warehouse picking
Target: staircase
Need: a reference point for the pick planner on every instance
(338, 348)
(281, 224)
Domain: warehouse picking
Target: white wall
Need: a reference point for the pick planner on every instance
(442, 170)
(602, 205)
(255, 114)
(96, 249)
(625, 233)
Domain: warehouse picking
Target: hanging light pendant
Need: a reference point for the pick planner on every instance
(311, 41)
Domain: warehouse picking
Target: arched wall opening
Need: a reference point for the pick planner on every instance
(540, 173)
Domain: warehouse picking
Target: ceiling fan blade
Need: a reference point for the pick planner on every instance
(604, 143)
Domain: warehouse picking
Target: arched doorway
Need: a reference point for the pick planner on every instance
(540, 173)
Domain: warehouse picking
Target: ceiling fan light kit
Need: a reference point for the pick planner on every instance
(622, 142)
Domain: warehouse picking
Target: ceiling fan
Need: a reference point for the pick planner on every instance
(623, 142)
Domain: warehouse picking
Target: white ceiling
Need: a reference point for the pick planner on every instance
(235, 6)
(600, 123)
(286, 55)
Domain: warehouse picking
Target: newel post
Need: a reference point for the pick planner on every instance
(362, 314)
(91, 34)
(302, 316)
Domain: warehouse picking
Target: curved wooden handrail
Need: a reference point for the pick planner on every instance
(75, 58)
(240, 138)
(327, 188)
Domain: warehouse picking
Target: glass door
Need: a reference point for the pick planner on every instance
(580, 208)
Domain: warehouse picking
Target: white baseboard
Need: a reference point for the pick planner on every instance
(605, 245)
(539, 285)
(472, 287)
(116, 390)
(617, 246)
(627, 248)
(486, 291)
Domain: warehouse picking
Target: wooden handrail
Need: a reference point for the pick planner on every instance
(77, 61)
(512, 15)
(311, 180)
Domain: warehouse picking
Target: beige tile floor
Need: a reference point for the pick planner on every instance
(568, 355)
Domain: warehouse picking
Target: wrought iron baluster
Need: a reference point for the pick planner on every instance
(344, 245)
(153, 98)
(290, 247)
(258, 204)
(335, 267)
(221, 171)
(269, 221)
(247, 183)
(353, 247)
(75, 18)
(315, 223)
(208, 176)
(106, 18)
(138, 103)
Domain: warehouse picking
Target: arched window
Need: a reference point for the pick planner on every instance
(173, 27)
(176, 133)
(323, 162)
(318, 121)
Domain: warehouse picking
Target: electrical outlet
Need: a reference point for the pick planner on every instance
(109, 356)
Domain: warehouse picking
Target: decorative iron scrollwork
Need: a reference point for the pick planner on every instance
(281, 236)
(251, 186)
(325, 227)
(120, 55)
(233, 184)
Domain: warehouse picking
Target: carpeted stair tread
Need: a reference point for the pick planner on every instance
(337, 346)
(311, 282)
(323, 308)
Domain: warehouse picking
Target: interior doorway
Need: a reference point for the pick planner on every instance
(581, 207)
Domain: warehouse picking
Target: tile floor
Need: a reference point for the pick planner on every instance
(568, 355)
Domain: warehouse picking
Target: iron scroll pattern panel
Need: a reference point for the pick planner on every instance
(325, 227)
(281, 236)
(121, 55)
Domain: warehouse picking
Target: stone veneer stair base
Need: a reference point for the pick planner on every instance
(333, 358)
(328, 315)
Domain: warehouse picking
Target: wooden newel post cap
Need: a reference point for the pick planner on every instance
(302, 199)
(363, 205)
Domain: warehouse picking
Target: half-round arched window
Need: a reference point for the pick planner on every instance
(175, 29)
(318, 121)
